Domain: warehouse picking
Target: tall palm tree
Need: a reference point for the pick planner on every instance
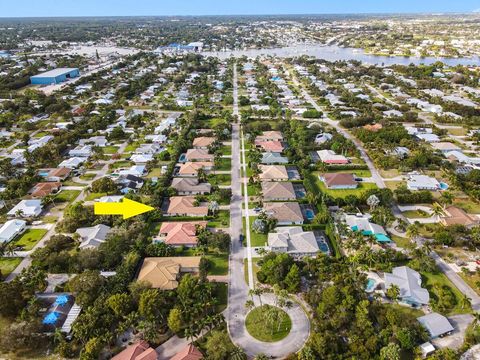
(237, 353)
(466, 301)
(437, 210)
(249, 305)
(413, 232)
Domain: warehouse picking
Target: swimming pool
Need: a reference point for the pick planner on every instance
(309, 214)
(182, 158)
(43, 173)
(443, 186)
(371, 284)
(324, 248)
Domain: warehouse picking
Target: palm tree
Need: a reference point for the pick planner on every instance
(249, 305)
(446, 198)
(476, 319)
(258, 292)
(393, 292)
(437, 210)
(466, 301)
(213, 207)
(413, 232)
(261, 357)
(237, 353)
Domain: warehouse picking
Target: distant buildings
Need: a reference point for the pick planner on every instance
(55, 76)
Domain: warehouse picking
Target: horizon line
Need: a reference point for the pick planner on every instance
(435, 13)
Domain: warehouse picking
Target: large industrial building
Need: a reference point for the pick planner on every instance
(55, 76)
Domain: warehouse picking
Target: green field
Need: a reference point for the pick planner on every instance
(221, 221)
(224, 164)
(255, 238)
(30, 238)
(67, 195)
(220, 179)
(218, 264)
(265, 331)
(93, 196)
(110, 149)
(7, 265)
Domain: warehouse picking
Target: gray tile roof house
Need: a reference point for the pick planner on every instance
(93, 236)
(285, 213)
(294, 241)
(190, 186)
(410, 283)
(273, 158)
(436, 324)
(278, 191)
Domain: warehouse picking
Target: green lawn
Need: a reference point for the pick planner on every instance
(131, 147)
(221, 294)
(30, 238)
(7, 265)
(255, 238)
(260, 329)
(88, 176)
(120, 164)
(359, 173)
(255, 269)
(414, 214)
(110, 149)
(218, 264)
(342, 193)
(156, 172)
(93, 196)
(401, 241)
(224, 164)
(429, 282)
(67, 195)
(226, 150)
(221, 221)
(468, 205)
(220, 179)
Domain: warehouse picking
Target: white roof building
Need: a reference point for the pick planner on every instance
(410, 284)
(93, 236)
(72, 163)
(11, 229)
(27, 208)
(83, 151)
(294, 241)
(422, 182)
(436, 324)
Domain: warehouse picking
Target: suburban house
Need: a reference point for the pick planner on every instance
(278, 191)
(43, 189)
(359, 222)
(270, 136)
(330, 157)
(198, 155)
(92, 237)
(288, 213)
(58, 174)
(338, 181)
(455, 216)
(84, 151)
(99, 141)
(422, 182)
(430, 138)
(190, 169)
(141, 158)
(437, 325)
(73, 162)
(462, 158)
(323, 138)
(27, 208)
(445, 147)
(273, 158)
(410, 284)
(190, 186)
(273, 173)
(149, 149)
(270, 146)
(11, 229)
(139, 351)
(190, 352)
(294, 241)
(184, 206)
(180, 233)
(135, 170)
(164, 272)
(203, 142)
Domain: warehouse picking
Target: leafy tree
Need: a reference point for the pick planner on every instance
(390, 352)
(292, 280)
(87, 287)
(120, 304)
(104, 185)
(175, 322)
(218, 345)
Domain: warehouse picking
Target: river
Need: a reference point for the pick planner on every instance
(336, 53)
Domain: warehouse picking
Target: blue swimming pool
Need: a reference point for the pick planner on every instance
(43, 173)
(309, 214)
(443, 186)
(182, 158)
(324, 248)
(370, 285)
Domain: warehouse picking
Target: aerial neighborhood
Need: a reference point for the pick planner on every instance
(310, 186)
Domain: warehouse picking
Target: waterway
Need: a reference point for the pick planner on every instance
(336, 53)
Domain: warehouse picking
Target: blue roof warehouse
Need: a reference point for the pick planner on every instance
(55, 76)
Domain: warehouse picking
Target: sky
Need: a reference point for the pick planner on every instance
(53, 8)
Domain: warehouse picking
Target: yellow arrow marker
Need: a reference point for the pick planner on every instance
(128, 208)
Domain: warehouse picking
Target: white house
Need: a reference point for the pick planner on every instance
(72, 163)
(11, 229)
(93, 236)
(83, 151)
(294, 241)
(410, 284)
(422, 182)
(28, 208)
